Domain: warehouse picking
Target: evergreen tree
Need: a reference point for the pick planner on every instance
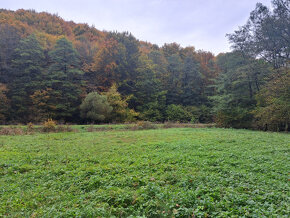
(26, 77)
(127, 63)
(160, 66)
(149, 99)
(191, 82)
(173, 80)
(4, 104)
(64, 78)
(9, 39)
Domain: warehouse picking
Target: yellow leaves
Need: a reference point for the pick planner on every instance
(3, 88)
(109, 68)
(120, 112)
(46, 40)
(40, 95)
(3, 98)
(4, 102)
(42, 104)
(49, 125)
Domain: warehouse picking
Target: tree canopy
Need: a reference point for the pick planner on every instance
(50, 68)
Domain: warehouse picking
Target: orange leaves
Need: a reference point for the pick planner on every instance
(105, 64)
(4, 102)
(41, 102)
(208, 66)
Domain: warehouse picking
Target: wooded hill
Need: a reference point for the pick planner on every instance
(49, 66)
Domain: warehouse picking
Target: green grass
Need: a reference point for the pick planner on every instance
(164, 172)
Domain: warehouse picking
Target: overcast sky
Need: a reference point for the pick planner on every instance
(199, 23)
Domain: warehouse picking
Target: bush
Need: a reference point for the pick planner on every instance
(204, 114)
(178, 113)
(95, 107)
(152, 114)
(168, 125)
(90, 128)
(30, 127)
(142, 125)
(236, 118)
(49, 126)
(11, 131)
(65, 128)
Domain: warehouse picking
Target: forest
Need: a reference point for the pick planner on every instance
(73, 73)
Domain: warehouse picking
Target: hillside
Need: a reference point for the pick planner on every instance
(48, 66)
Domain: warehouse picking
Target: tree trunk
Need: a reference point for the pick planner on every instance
(250, 88)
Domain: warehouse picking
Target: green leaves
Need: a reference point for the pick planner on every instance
(95, 107)
(266, 34)
(64, 80)
(161, 172)
(27, 75)
(239, 81)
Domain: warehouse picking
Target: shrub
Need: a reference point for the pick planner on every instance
(168, 125)
(64, 128)
(178, 113)
(95, 107)
(237, 117)
(90, 128)
(141, 125)
(30, 127)
(152, 114)
(204, 114)
(11, 131)
(49, 126)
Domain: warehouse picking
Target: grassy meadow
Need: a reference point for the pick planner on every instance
(176, 172)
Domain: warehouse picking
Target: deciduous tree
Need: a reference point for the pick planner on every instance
(95, 107)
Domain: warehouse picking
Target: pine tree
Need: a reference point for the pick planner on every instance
(173, 81)
(64, 78)
(191, 82)
(149, 99)
(26, 76)
(4, 104)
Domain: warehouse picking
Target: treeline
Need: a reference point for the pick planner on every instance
(50, 68)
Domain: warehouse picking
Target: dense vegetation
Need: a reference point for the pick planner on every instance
(48, 67)
(182, 172)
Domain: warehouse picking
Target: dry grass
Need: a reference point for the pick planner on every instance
(12, 131)
(142, 125)
(30, 129)
(65, 128)
(168, 125)
(52, 127)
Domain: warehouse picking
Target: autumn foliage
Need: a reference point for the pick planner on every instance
(49, 67)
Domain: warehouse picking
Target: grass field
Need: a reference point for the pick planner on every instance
(183, 172)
